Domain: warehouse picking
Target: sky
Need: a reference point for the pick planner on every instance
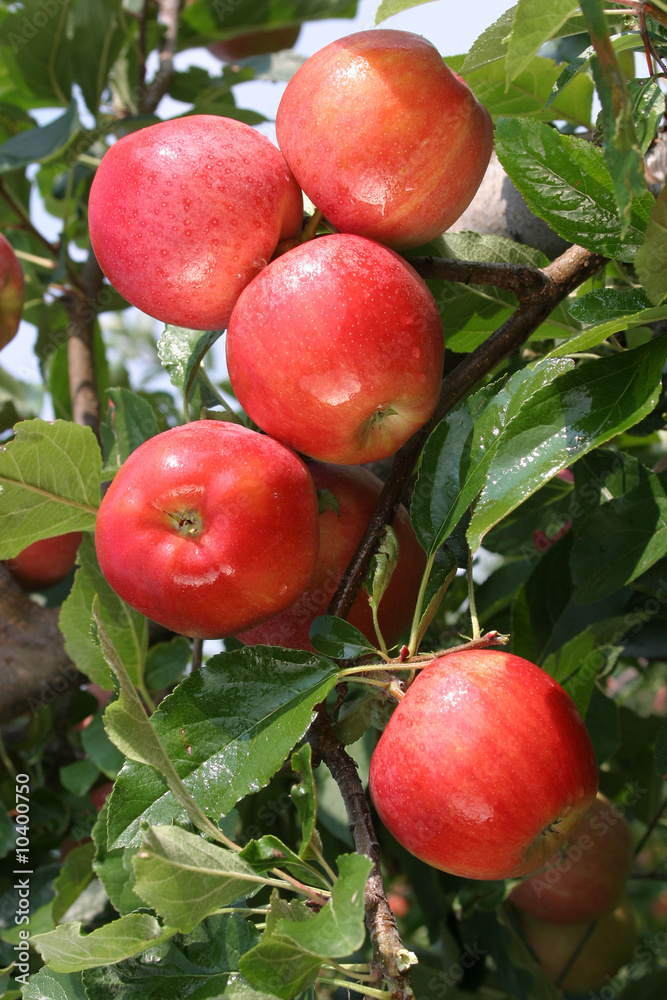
(442, 22)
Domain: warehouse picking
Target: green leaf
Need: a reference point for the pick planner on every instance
(528, 95)
(577, 664)
(606, 311)
(46, 984)
(603, 725)
(304, 796)
(338, 929)
(182, 351)
(114, 868)
(79, 776)
(129, 727)
(18, 400)
(37, 51)
(453, 466)
(184, 878)
(49, 483)
(580, 410)
(66, 949)
(97, 40)
(277, 964)
(166, 662)
(202, 966)
(565, 181)
(227, 728)
(100, 749)
(492, 44)
(534, 24)
(622, 536)
(132, 421)
(621, 148)
(127, 628)
(270, 852)
(75, 875)
(390, 7)
(40, 144)
(651, 261)
(336, 638)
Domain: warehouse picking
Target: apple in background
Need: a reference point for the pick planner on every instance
(209, 528)
(611, 945)
(384, 139)
(356, 491)
(12, 292)
(485, 767)
(184, 213)
(588, 876)
(255, 43)
(46, 562)
(336, 349)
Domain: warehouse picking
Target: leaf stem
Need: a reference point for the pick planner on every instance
(476, 632)
(347, 985)
(413, 642)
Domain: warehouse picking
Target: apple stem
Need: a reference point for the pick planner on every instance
(309, 231)
(476, 631)
(361, 973)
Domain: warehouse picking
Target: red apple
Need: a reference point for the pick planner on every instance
(383, 137)
(184, 213)
(611, 945)
(45, 563)
(255, 43)
(485, 767)
(209, 528)
(12, 292)
(336, 348)
(356, 491)
(588, 875)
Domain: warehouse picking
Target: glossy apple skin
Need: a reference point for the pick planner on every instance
(383, 138)
(12, 292)
(356, 490)
(255, 43)
(611, 945)
(485, 766)
(184, 213)
(46, 562)
(588, 876)
(209, 528)
(331, 338)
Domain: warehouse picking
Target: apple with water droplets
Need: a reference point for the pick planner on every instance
(383, 137)
(209, 528)
(183, 214)
(336, 349)
(485, 767)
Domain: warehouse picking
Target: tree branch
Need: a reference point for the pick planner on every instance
(81, 314)
(34, 666)
(523, 281)
(392, 957)
(155, 91)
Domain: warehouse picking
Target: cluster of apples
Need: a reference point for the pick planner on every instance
(334, 343)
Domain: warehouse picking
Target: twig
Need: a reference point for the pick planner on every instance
(81, 315)
(522, 281)
(155, 91)
(393, 959)
(651, 827)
